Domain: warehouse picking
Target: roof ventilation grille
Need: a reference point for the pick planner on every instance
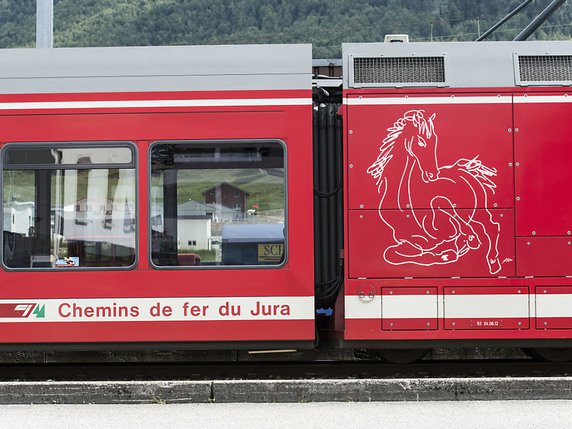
(545, 69)
(398, 71)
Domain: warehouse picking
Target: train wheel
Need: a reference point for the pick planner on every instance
(550, 354)
(401, 356)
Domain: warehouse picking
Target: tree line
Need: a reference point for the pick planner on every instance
(323, 23)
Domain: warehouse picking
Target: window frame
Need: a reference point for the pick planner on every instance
(284, 261)
(134, 164)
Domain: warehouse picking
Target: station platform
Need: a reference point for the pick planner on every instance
(286, 391)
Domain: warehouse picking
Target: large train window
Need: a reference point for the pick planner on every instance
(218, 204)
(68, 205)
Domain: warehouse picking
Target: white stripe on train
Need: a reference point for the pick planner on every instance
(124, 104)
(459, 306)
(487, 99)
(162, 309)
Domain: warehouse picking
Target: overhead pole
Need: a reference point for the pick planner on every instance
(44, 23)
(502, 21)
(539, 20)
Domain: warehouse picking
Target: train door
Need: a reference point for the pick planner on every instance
(543, 204)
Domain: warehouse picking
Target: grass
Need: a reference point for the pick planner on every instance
(206, 255)
(19, 185)
(265, 191)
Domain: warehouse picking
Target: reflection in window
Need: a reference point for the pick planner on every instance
(72, 217)
(70, 155)
(217, 204)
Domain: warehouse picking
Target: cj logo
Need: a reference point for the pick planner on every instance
(409, 177)
(36, 310)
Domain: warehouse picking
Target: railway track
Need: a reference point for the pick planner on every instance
(281, 370)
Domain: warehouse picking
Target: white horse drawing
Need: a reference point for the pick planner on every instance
(408, 176)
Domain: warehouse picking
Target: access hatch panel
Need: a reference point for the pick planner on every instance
(543, 155)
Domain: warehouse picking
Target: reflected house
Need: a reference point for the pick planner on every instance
(230, 201)
(94, 204)
(194, 225)
(19, 217)
(97, 219)
(225, 214)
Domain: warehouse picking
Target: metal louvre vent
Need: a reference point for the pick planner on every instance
(545, 68)
(398, 71)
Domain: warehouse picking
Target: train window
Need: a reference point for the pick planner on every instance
(68, 206)
(218, 204)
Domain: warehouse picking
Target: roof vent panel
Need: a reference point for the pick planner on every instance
(397, 71)
(543, 69)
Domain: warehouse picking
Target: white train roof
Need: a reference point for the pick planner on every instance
(171, 68)
(457, 64)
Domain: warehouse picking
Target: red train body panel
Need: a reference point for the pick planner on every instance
(458, 219)
(149, 303)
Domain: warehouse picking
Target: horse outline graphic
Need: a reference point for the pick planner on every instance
(447, 233)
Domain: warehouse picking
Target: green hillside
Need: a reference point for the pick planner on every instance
(325, 24)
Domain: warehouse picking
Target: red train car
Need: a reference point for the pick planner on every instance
(108, 234)
(458, 219)
(163, 197)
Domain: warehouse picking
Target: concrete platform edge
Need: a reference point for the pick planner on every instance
(105, 392)
(226, 391)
